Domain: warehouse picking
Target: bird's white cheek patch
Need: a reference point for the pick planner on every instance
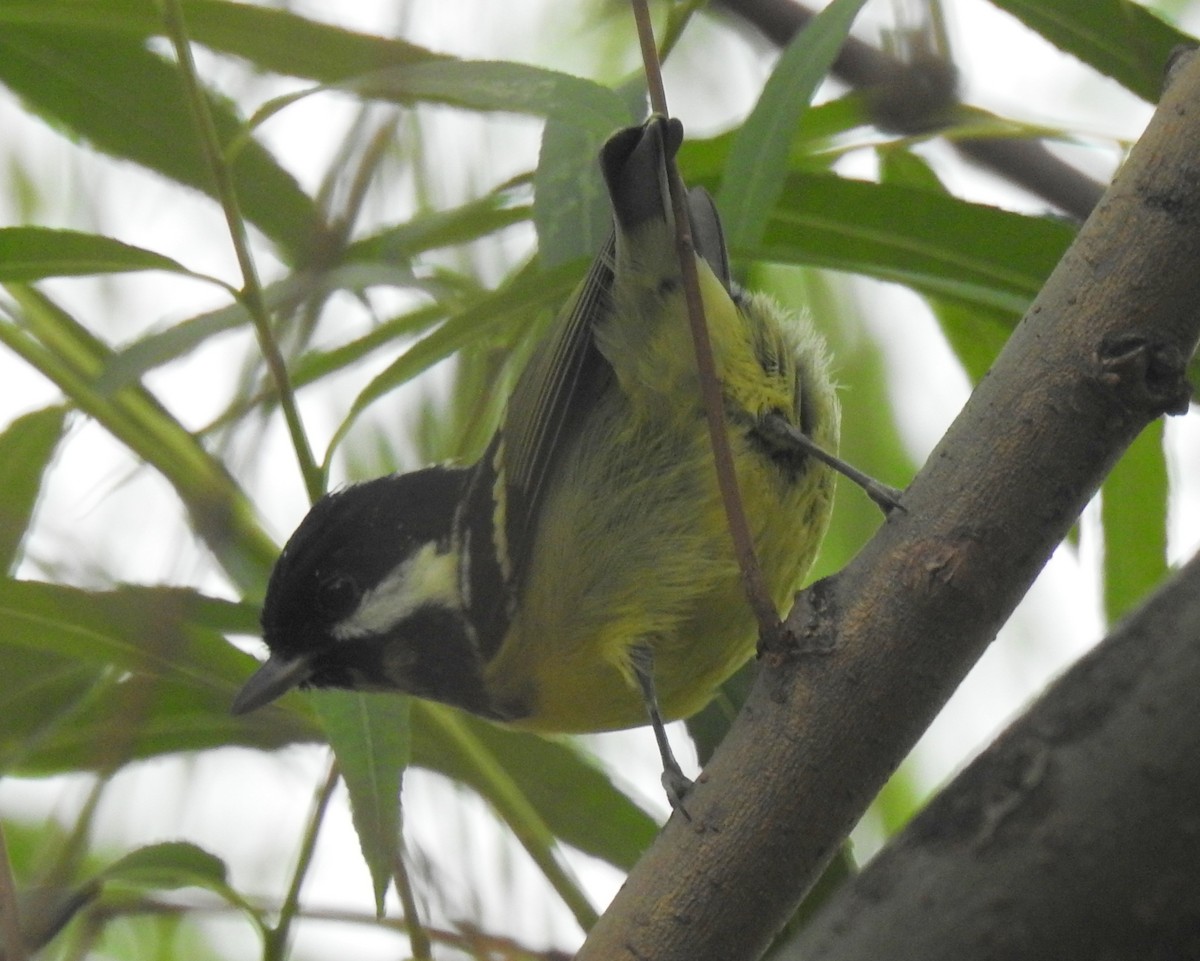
(424, 578)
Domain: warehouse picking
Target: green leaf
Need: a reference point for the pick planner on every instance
(758, 159)
(42, 693)
(32, 253)
(520, 301)
(129, 103)
(935, 244)
(976, 333)
(169, 865)
(26, 448)
(571, 209)
(95, 678)
(272, 39)
(1133, 510)
(370, 736)
(1122, 39)
(432, 230)
(494, 85)
(820, 132)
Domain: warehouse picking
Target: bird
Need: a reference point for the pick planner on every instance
(579, 577)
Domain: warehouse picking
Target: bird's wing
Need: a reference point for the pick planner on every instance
(561, 382)
(567, 373)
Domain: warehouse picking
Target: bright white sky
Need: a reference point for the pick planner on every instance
(249, 808)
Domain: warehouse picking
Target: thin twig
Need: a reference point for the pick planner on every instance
(277, 938)
(418, 937)
(252, 293)
(757, 593)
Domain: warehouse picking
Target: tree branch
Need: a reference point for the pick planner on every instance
(882, 645)
(1070, 836)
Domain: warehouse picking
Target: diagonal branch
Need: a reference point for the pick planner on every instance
(1100, 354)
(1070, 836)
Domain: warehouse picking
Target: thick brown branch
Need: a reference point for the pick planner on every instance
(1070, 836)
(1100, 354)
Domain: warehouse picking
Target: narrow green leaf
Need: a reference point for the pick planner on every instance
(520, 301)
(758, 158)
(1122, 39)
(168, 632)
(379, 259)
(976, 333)
(26, 447)
(273, 39)
(571, 209)
(94, 678)
(435, 229)
(102, 720)
(1133, 510)
(818, 130)
(128, 102)
(935, 244)
(498, 86)
(369, 734)
(42, 694)
(32, 253)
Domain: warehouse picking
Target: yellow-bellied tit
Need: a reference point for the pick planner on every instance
(583, 566)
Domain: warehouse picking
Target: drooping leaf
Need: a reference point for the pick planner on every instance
(498, 86)
(26, 448)
(758, 158)
(370, 737)
(33, 253)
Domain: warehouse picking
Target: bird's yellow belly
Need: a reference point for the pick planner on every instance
(669, 582)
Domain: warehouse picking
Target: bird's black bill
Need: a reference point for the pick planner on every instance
(274, 679)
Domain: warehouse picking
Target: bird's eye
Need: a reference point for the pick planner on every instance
(337, 594)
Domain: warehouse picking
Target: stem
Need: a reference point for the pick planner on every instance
(755, 585)
(418, 938)
(275, 948)
(251, 293)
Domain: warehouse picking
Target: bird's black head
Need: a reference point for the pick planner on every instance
(366, 591)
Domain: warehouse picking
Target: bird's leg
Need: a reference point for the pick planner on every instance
(778, 431)
(674, 781)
